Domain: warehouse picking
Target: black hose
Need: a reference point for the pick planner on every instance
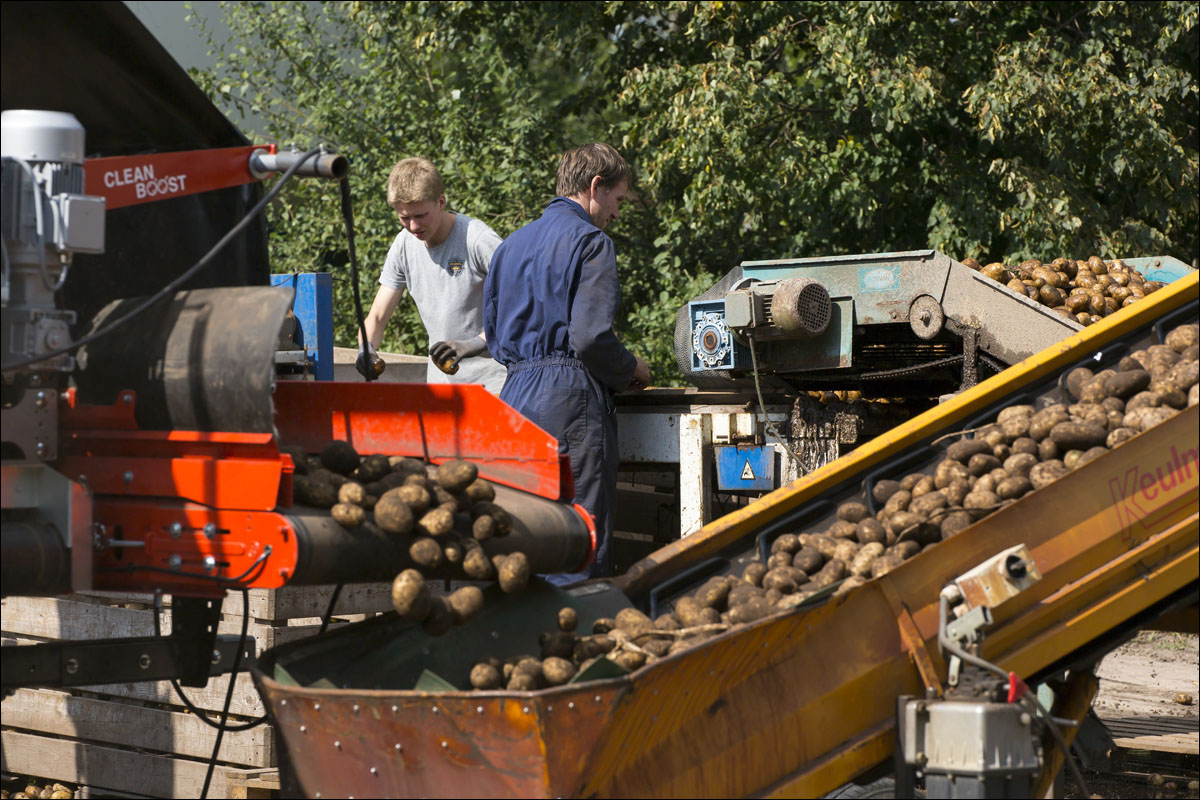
(170, 288)
(337, 590)
(237, 662)
(348, 219)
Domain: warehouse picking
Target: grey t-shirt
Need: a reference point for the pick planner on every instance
(447, 284)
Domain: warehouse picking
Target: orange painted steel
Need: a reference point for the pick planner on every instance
(799, 703)
(160, 489)
(439, 422)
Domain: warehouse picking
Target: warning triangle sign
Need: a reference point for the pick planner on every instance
(747, 473)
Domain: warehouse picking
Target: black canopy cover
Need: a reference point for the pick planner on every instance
(98, 62)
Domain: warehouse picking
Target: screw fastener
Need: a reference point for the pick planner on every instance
(144, 661)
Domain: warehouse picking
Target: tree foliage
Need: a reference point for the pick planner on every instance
(999, 130)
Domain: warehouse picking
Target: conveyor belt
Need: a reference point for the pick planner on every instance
(802, 701)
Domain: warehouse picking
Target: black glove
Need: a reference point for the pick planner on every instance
(365, 363)
(447, 354)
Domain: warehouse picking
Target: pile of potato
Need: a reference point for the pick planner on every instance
(444, 518)
(36, 787)
(1085, 291)
(1024, 449)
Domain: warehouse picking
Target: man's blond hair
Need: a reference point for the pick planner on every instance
(414, 180)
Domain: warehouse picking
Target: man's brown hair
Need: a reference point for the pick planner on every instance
(580, 164)
(414, 180)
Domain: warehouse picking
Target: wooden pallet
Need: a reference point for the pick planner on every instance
(138, 738)
(1159, 734)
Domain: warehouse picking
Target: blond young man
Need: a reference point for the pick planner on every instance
(441, 258)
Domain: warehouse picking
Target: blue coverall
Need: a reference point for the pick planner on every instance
(548, 305)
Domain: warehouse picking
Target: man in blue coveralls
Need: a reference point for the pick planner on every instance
(548, 305)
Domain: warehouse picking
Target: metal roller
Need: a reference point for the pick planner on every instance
(36, 561)
(203, 360)
(555, 537)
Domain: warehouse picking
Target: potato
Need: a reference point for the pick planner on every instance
(514, 573)
(1118, 436)
(568, 619)
(1013, 488)
(852, 512)
(633, 622)
(825, 545)
(392, 514)
(910, 480)
(779, 579)
(501, 520)
(1181, 338)
(948, 471)
(372, 468)
(743, 592)
(845, 551)
(904, 523)
(348, 515)
(477, 566)
(1193, 396)
(986, 483)
(558, 643)
(861, 563)
(455, 476)
(753, 573)
(885, 564)
(352, 492)
(1001, 451)
(714, 592)
(1077, 435)
(436, 522)
(426, 553)
(629, 659)
(299, 459)
(924, 486)
(906, 549)
(483, 528)
(853, 582)
(899, 500)
(465, 603)
(410, 596)
(687, 611)
(753, 609)
(315, 493)
(780, 559)
(1154, 416)
(666, 622)
(485, 676)
(981, 464)
(841, 529)
(832, 572)
(868, 530)
(592, 646)
(1011, 412)
(787, 543)
(1015, 428)
(522, 682)
(1091, 455)
(1147, 399)
(1020, 464)
(339, 457)
(882, 490)
(1126, 384)
(1184, 375)
(1042, 422)
(927, 504)
(980, 500)
(1022, 445)
(480, 491)
(955, 522)
(1047, 473)
(416, 497)
(808, 559)
(557, 670)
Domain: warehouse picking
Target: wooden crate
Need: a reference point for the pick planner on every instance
(138, 738)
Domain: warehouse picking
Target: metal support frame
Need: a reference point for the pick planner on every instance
(192, 652)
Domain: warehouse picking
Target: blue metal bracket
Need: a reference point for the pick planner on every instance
(313, 308)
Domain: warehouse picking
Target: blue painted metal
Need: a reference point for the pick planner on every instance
(1159, 268)
(746, 467)
(313, 308)
(713, 345)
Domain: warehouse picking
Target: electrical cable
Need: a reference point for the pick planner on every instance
(237, 662)
(179, 281)
(945, 642)
(337, 590)
(770, 426)
(260, 561)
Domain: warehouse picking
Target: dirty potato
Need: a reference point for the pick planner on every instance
(348, 515)
(455, 476)
(465, 603)
(514, 573)
(392, 514)
(340, 457)
(410, 596)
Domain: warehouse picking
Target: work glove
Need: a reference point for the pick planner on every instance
(447, 354)
(368, 362)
